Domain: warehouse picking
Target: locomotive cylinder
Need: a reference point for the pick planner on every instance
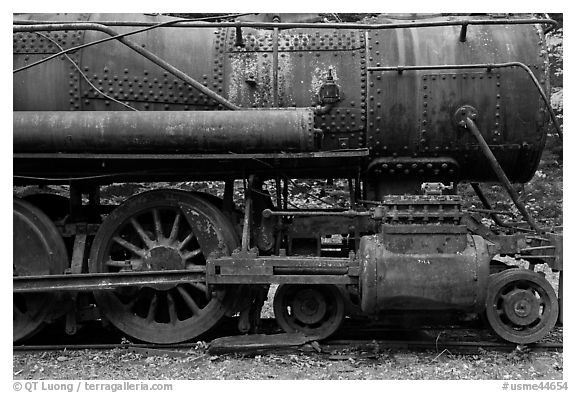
(164, 132)
(436, 269)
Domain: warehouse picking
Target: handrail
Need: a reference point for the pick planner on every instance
(489, 67)
(295, 25)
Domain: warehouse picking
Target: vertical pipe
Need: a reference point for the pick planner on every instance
(463, 31)
(501, 175)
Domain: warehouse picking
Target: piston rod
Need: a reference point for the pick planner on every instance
(102, 281)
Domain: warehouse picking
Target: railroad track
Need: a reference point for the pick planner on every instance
(454, 339)
(323, 347)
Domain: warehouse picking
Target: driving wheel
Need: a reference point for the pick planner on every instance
(155, 231)
(38, 249)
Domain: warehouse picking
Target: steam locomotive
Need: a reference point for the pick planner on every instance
(403, 110)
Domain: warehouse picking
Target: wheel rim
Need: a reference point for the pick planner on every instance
(38, 250)
(315, 310)
(521, 306)
(154, 231)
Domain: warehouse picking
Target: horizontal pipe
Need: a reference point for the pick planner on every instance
(348, 213)
(491, 211)
(126, 132)
(537, 248)
(296, 25)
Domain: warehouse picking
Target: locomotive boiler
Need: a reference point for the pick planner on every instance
(404, 110)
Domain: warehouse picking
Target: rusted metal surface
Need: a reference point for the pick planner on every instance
(415, 277)
(133, 46)
(423, 259)
(257, 342)
(264, 70)
(410, 112)
(164, 132)
(489, 67)
(244, 269)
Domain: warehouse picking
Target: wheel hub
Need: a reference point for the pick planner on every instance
(314, 310)
(309, 306)
(164, 258)
(521, 307)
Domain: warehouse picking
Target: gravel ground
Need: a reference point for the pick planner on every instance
(350, 364)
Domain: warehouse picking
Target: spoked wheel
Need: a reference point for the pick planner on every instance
(38, 250)
(315, 310)
(162, 230)
(521, 306)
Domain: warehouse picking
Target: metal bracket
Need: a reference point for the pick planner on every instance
(465, 111)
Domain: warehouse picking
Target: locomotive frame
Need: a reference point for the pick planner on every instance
(166, 266)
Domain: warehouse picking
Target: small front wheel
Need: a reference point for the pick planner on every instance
(314, 310)
(521, 306)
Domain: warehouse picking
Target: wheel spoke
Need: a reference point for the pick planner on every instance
(190, 254)
(129, 246)
(189, 301)
(171, 309)
(175, 228)
(152, 309)
(149, 243)
(185, 241)
(157, 224)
